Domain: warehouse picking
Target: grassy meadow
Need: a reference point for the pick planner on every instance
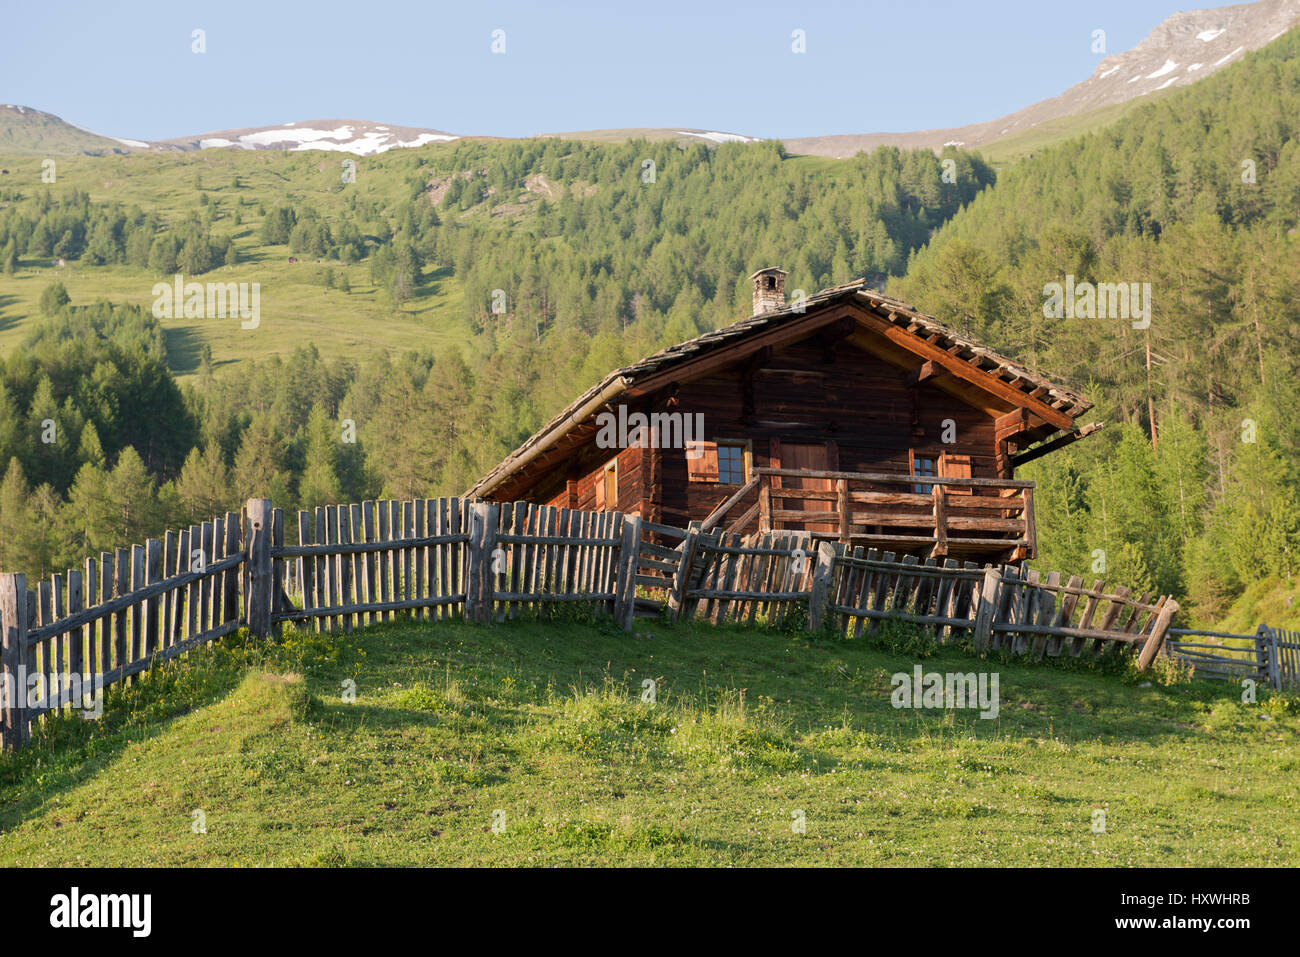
(529, 743)
(296, 307)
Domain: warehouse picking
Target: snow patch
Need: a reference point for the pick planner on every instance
(1171, 80)
(136, 143)
(716, 137)
(1169, 67)
(429, 138)
(1228, 57)
(1205, 36)
(1113, 69)
(1194, 67)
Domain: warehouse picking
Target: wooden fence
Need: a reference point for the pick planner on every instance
(1270, 656)
(359, 564)
(997, 607)
(82, 631)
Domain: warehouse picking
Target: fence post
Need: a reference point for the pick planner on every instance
(479, 581)
(258, 591)
(1266, 656)
(986, 606)
(682, 577)
(819, 596)
(13, 654)
(629, 553)
(1151, 647)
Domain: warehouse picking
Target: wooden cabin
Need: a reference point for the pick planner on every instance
(847, 415)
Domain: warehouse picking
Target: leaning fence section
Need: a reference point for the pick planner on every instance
(995, 607)
(762, 578)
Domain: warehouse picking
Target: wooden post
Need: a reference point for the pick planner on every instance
(940, 521)
(1266, 664)
(682, 577)
(259, 592)
(765, 506)
(479, 580)
(842, 503)
(986, 607)
(153, 574)
(1031, 532)
(819, 597)
(629, 554)
(13, 655)
(1151, 647)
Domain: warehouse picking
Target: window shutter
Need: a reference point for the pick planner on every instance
(600, 490)
(702, 461)
(956, 466)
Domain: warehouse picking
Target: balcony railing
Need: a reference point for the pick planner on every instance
(931, 515)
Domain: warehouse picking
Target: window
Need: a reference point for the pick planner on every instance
(607, 486)
(723, 462)
(923, 466)
(610, 480)
(731, 464)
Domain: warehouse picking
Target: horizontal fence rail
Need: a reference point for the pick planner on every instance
(1270, 656)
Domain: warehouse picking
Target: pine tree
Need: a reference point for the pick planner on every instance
(204, 489)
(320, 483)
(260, 463)
(132, 505)
(54, 298)
(18, 534)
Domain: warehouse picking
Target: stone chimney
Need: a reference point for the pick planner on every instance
(769, 290)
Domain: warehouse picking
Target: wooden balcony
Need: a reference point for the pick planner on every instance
(972, 519)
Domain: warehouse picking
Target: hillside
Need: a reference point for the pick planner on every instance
(541, 731)
(25, 131)
(1185, 48)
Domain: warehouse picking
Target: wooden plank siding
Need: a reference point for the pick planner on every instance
(867, 414)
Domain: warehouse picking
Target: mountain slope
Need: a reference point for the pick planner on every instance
(1185, 48)
(26, 131)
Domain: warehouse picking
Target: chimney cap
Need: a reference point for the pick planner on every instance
(768, 270)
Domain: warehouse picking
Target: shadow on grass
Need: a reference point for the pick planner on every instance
(7, 319)
(67, 750)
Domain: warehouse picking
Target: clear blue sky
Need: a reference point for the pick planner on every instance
(126, 69)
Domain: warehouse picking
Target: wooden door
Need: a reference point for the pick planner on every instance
(810, 458)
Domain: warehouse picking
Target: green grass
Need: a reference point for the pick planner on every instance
(544, 721)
